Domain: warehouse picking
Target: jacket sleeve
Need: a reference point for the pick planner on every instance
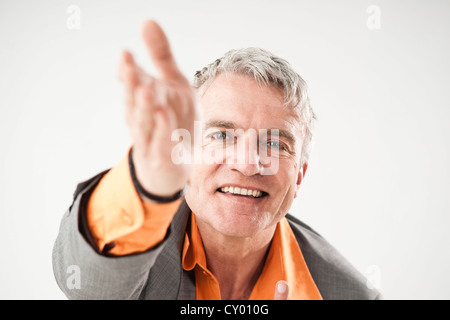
(82, 272)
(119, 221)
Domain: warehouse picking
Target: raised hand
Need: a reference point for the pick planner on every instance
(155, 107)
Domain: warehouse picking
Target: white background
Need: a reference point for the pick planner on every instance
(378, 182)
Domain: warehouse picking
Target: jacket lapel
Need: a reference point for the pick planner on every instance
(165, 278)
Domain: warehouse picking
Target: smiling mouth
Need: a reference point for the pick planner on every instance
(243, 192)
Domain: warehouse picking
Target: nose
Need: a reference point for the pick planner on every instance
(246, 158)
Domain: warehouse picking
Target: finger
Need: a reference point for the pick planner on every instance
(132, 77)
(164, 115)
(167, 119)
(281, 290)
(144, 111)
(131, 82)
(127, 57)
(128, 70)
(159, 49)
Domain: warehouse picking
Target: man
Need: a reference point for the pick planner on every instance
(133, 232)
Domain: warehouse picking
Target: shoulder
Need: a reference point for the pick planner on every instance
(334, 276)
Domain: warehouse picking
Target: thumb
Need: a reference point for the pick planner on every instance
(159, 50)
(281, 290)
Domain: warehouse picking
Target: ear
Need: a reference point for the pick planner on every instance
(301, 175)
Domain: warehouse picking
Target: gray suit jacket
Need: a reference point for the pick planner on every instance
(84, 273)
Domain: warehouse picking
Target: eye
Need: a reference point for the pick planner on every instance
(219, 135)
(276, 145)
(273, 144)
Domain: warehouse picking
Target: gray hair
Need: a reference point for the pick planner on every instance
(267, 69)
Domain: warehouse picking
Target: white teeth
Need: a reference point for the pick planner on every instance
(242, 191)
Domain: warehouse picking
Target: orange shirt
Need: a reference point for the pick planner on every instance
(116, 214)
(118, 217)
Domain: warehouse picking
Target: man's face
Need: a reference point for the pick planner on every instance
(235, 107)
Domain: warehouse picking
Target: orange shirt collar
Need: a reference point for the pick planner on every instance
(193, 254)
(284, 262)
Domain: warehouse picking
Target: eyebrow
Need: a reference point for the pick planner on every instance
(285, 134)
(219, 124)
(231, 125)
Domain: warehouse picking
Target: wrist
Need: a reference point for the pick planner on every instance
(164, 194)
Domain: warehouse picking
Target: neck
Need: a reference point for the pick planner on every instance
(236, 262)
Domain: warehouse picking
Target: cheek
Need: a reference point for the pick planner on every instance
(195, 177)
(287, 183)
(288, 172)
(200, 179)
(194, 194)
